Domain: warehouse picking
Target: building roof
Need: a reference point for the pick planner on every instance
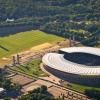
(1, 90)
(57, 61)
(90, 50)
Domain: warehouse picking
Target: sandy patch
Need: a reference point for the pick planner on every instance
(35, 86)
(4, 58)
(41, 47)
(37, 52)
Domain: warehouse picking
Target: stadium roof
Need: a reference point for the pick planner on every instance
(57, 61)
(90, 50)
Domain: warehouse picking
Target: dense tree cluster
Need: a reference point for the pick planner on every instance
(39, 8)
(92, 93)
(61, 17)
(6, 83)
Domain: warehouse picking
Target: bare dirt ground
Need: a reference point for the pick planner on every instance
(35, 85)
(29, 84)
(40, 50)
(54, 89)
(57, 91)
(20, 79)
(37, 52)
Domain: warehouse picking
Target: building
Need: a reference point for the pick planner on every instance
(2, 90)
(75, 64)
(10, 20)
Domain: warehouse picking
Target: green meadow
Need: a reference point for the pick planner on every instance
(31, 68)
(23, 41)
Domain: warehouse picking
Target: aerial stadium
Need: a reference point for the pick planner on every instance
(75, 64)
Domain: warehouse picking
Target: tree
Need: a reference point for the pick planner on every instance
(7, 84)
(43, 89)
(92, 93)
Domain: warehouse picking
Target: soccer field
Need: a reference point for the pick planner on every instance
(23, 41)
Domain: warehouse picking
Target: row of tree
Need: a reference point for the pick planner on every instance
(78, 9)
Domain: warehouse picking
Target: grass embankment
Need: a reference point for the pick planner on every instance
(22, 41)
(82, 88)
(31, 68)
(78, 87)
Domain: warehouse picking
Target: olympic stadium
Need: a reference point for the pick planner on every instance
(75, 64)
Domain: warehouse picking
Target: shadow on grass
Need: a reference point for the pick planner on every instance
(2, 47)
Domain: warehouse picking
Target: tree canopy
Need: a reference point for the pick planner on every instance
(40, 8)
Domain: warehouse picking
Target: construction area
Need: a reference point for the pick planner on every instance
(53, 86)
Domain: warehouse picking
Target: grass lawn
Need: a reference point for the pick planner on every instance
(31, 68)
(82, 88)
(23, 41)
(78, 87)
